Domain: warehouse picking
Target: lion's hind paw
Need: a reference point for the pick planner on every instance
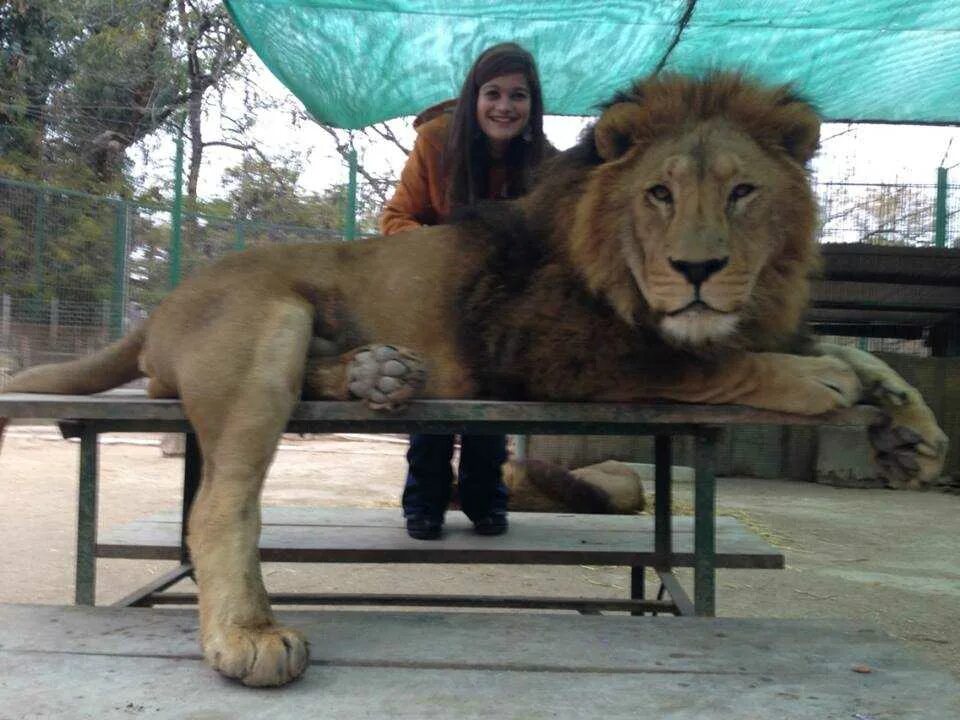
(386, 376)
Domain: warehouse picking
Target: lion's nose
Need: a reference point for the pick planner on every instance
(698, 272)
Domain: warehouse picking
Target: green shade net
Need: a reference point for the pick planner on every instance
(353, 63)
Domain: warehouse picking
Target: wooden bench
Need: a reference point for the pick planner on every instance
(889, 291)
(663, 542)
(330, 535)
(118, 663)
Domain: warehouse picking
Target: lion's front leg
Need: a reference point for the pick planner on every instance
(767, 381)
(239, 635)
(910, 448)
(239, 393)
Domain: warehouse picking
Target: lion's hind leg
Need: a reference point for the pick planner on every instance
(385, 376)
(238, 392)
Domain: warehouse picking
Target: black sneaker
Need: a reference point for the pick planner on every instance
(492, 524)
(421, 527)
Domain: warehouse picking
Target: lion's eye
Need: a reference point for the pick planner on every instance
(741, 191)
(660, 193)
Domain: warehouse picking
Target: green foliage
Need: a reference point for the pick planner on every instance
(266, 191)
(81, 81)
(37, 41)
(126, 82)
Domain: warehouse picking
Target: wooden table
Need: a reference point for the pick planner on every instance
(86, 417)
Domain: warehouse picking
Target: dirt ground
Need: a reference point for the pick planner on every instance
(890, 557)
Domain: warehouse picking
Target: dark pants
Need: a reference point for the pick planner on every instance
(430, 476)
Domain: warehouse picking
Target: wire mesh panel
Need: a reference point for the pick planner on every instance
(147, 260)
(78, 270)
(887, 214)
(60, 288)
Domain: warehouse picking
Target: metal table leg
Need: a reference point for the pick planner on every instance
(86, 577)
(663, 507)
(192, 470)
(638, 590)
(704, 524)
(663, 510)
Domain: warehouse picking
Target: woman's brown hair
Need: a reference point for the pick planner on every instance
(466, 159)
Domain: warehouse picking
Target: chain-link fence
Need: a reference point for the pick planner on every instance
(890, 214)
(77, 270)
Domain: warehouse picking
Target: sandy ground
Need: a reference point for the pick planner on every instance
(890, 557)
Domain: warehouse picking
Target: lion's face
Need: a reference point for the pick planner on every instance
(703, 227)
(699, 221)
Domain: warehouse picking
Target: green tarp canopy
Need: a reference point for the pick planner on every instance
(356, 62)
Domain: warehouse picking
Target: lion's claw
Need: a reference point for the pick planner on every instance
(386, 376)
(885, 392)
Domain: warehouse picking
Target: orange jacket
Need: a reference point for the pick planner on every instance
(420, 197)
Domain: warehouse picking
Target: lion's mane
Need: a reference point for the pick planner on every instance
(561, 246)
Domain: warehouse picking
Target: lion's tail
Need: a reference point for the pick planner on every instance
(114, 365)
(563, 487)
(108, 368)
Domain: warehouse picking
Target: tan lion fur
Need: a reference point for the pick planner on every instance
(582, 290)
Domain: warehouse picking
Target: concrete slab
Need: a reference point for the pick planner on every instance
(106, 663)
(844, 459)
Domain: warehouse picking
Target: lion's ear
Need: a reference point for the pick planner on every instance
(617, 129)
(800, 130)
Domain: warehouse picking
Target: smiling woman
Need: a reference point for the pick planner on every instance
(485, 152)
(485, 145)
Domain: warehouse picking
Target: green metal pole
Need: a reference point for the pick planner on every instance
(39, 226)
(350, 212)
(239, 240)
(176, 215)
(940, 237)
(119, 269)
(704, 524)
(86, 579)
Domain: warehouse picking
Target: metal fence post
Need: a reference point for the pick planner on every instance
(239, 238)
(119, 270)
(5, 320)
(940, 233)
(105, 319)
(39, 223)
(54, 327)
(176, 214)
(350, 211)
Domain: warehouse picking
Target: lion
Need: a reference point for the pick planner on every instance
(666, 256)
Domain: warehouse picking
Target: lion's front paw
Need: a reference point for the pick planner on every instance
(909, 447)
(814, 385)
(266, 656)
(387, 377)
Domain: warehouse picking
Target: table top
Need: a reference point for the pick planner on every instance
(455, 414)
